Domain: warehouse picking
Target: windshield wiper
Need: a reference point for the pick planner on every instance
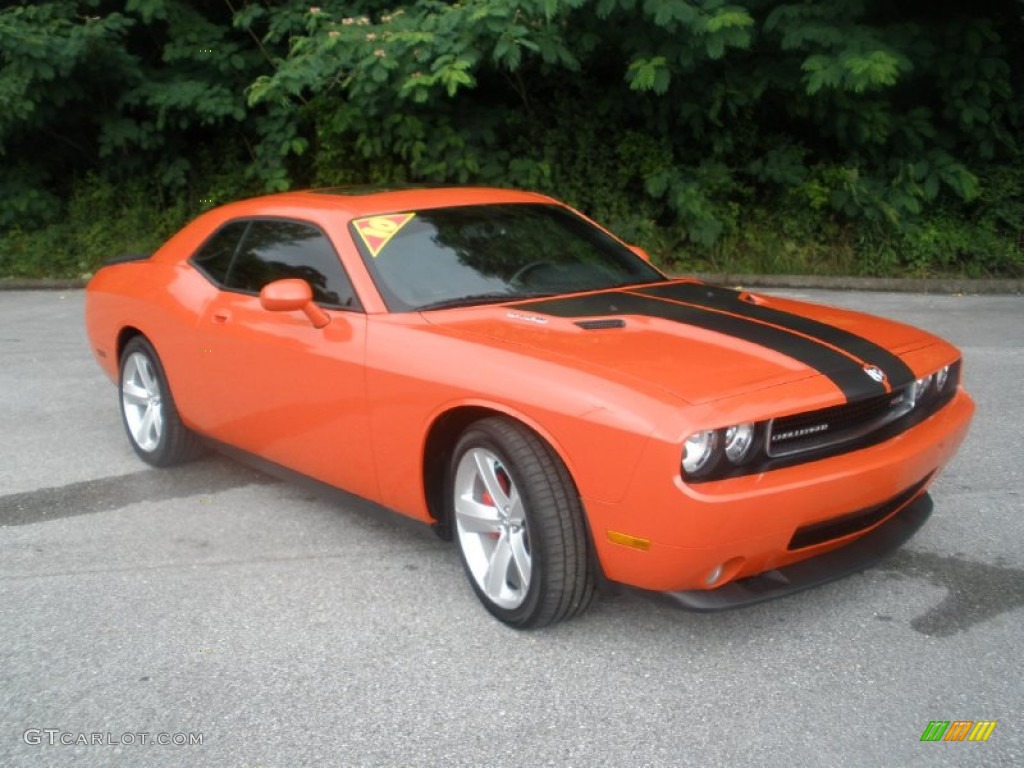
(469, 301)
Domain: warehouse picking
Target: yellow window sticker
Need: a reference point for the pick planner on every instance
(377, 231)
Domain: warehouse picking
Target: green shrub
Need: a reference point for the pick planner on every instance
(827, 136)
(102, 220)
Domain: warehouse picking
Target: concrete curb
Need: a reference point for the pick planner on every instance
(945, 285)
(40, 284)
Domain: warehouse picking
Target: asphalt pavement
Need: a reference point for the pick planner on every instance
(247, 622)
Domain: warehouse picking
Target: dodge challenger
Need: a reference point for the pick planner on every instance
(498, 366)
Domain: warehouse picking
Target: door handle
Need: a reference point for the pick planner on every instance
(221, 316)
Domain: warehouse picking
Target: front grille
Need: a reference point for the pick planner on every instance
(830, 426)
(836, 528)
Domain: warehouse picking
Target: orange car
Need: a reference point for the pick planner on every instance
(496, 365)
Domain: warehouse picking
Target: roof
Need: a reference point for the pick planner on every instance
(364, 201)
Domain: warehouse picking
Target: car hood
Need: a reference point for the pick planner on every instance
(701, 342)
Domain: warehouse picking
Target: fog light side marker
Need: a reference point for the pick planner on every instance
(629, 541)
(724, 572)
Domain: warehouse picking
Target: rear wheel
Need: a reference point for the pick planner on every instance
(519, 525)
(147, 409)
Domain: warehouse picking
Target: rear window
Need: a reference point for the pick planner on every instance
(215, 255)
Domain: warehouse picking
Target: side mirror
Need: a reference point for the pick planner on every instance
(641, 253)
(292, 295)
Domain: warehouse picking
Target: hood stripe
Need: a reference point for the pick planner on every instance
(845, 372)
(896, 371)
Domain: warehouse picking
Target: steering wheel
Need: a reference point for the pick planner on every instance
(522, 272)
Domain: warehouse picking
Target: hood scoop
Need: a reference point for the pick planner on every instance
(601, 325)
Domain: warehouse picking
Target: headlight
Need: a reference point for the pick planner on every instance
(703, 451)
(941, 377)
(738, 440)
(921, 387)
(699, 451)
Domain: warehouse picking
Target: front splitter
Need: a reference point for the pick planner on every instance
(837, 564)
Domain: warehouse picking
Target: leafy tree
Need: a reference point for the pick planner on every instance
(698, 127)
(857, 109)
(150, 88)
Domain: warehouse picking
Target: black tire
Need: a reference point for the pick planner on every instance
(143, 393)
(542, 525)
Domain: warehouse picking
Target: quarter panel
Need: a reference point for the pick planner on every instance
(160, 300)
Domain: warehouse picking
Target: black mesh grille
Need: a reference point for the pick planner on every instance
(805, 431)
(819, 533)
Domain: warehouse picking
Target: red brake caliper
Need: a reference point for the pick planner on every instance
(486, 498)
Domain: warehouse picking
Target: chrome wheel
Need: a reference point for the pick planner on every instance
(142, 402)
(491, 525)
(155, 429)
(518, 521)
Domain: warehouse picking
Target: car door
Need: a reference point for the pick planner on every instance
(275, 385)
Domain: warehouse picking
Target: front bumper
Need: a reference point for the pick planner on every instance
(780, 582)
(703, 538)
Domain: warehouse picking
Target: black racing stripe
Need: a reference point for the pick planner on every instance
(845, 373)
(728, 300)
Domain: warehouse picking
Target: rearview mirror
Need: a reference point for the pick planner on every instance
(292, 295)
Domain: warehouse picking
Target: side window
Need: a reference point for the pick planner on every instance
(214, 257)
(275, 249)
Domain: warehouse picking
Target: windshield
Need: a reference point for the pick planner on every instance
(446, 257)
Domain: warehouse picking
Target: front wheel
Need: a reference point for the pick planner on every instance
(147, 409)
(519, 525)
